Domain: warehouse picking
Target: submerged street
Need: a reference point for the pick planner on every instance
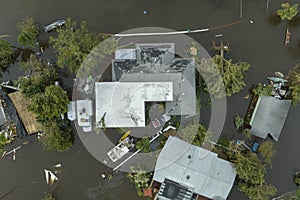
(260, 43)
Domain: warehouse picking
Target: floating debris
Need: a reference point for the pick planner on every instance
(57, 165)
(50, 177)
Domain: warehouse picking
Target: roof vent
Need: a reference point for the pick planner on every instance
(189, 156)
(187, 177)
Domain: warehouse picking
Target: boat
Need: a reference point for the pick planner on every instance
(287, 37)
(54, 25)
(120, 149)
(50, 177)
(125, 135)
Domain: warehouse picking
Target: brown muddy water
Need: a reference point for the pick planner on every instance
(261, 44)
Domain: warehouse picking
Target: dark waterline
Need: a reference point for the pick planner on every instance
(260, 44)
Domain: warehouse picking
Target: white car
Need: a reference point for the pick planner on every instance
(54, 25)
(160, 120)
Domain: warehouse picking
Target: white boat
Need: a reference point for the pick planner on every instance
(54, 25)
(120, 150)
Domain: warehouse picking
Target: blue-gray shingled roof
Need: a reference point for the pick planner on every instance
(269, 116)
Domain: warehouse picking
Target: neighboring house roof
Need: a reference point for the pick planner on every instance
(123, 103)
(269, 116)
(28, 118)
(195, 168)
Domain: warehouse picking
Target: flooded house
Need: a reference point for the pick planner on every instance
(186, 171)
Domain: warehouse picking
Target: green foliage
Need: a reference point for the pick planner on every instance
(287, 11)
(194, 134)
(258, 192)
(73, 44)
(29, 32)
(262, 90)
(250, 168)
(5, 48)
(49, 196)
(297, 178)
(267, 151)
(3, 140)
(141, 179)
(143, 144)
(294, 84)
(298, 194)
(238, 122)
(56, 136)
(232, 74)
(51, 104)
(6, 61)
(247, 133)
(221, 76)
(41, 76)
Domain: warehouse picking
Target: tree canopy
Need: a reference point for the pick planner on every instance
(262, 89)
(143, 145)
(49, 196)
(221, 76)
(73, 44)
(51, 104)
(40, 76)
(5, 47)
(193, 133)
(56, 136)
(29, 32)
(294, 84)
(288, 11)
(258, 192)
(267, 151)
(250, 168)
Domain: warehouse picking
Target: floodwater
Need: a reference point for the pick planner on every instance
(261, 44)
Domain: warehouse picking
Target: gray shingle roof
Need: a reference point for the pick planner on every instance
(194, 167)
(269, 116)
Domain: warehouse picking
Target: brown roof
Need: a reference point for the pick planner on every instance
(27, 117)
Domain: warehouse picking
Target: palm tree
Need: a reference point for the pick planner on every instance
(5, 47)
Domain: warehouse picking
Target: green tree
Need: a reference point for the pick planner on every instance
(51, 104)
(49, 196)
(258, 192)
(294, 84)
(263, 90)
(6, 53)
(193, 133)
(287, 11)
(5, 47)
(222, 77)
(250, 168)
(73, 44)
(232, 73)
(141, 178)
(297, 194)
(56, 136)
(143, 144)
(238, 122)
(267, 151)
(29, 32)
(41, 76)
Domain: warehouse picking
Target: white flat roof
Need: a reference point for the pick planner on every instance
(123, 103)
